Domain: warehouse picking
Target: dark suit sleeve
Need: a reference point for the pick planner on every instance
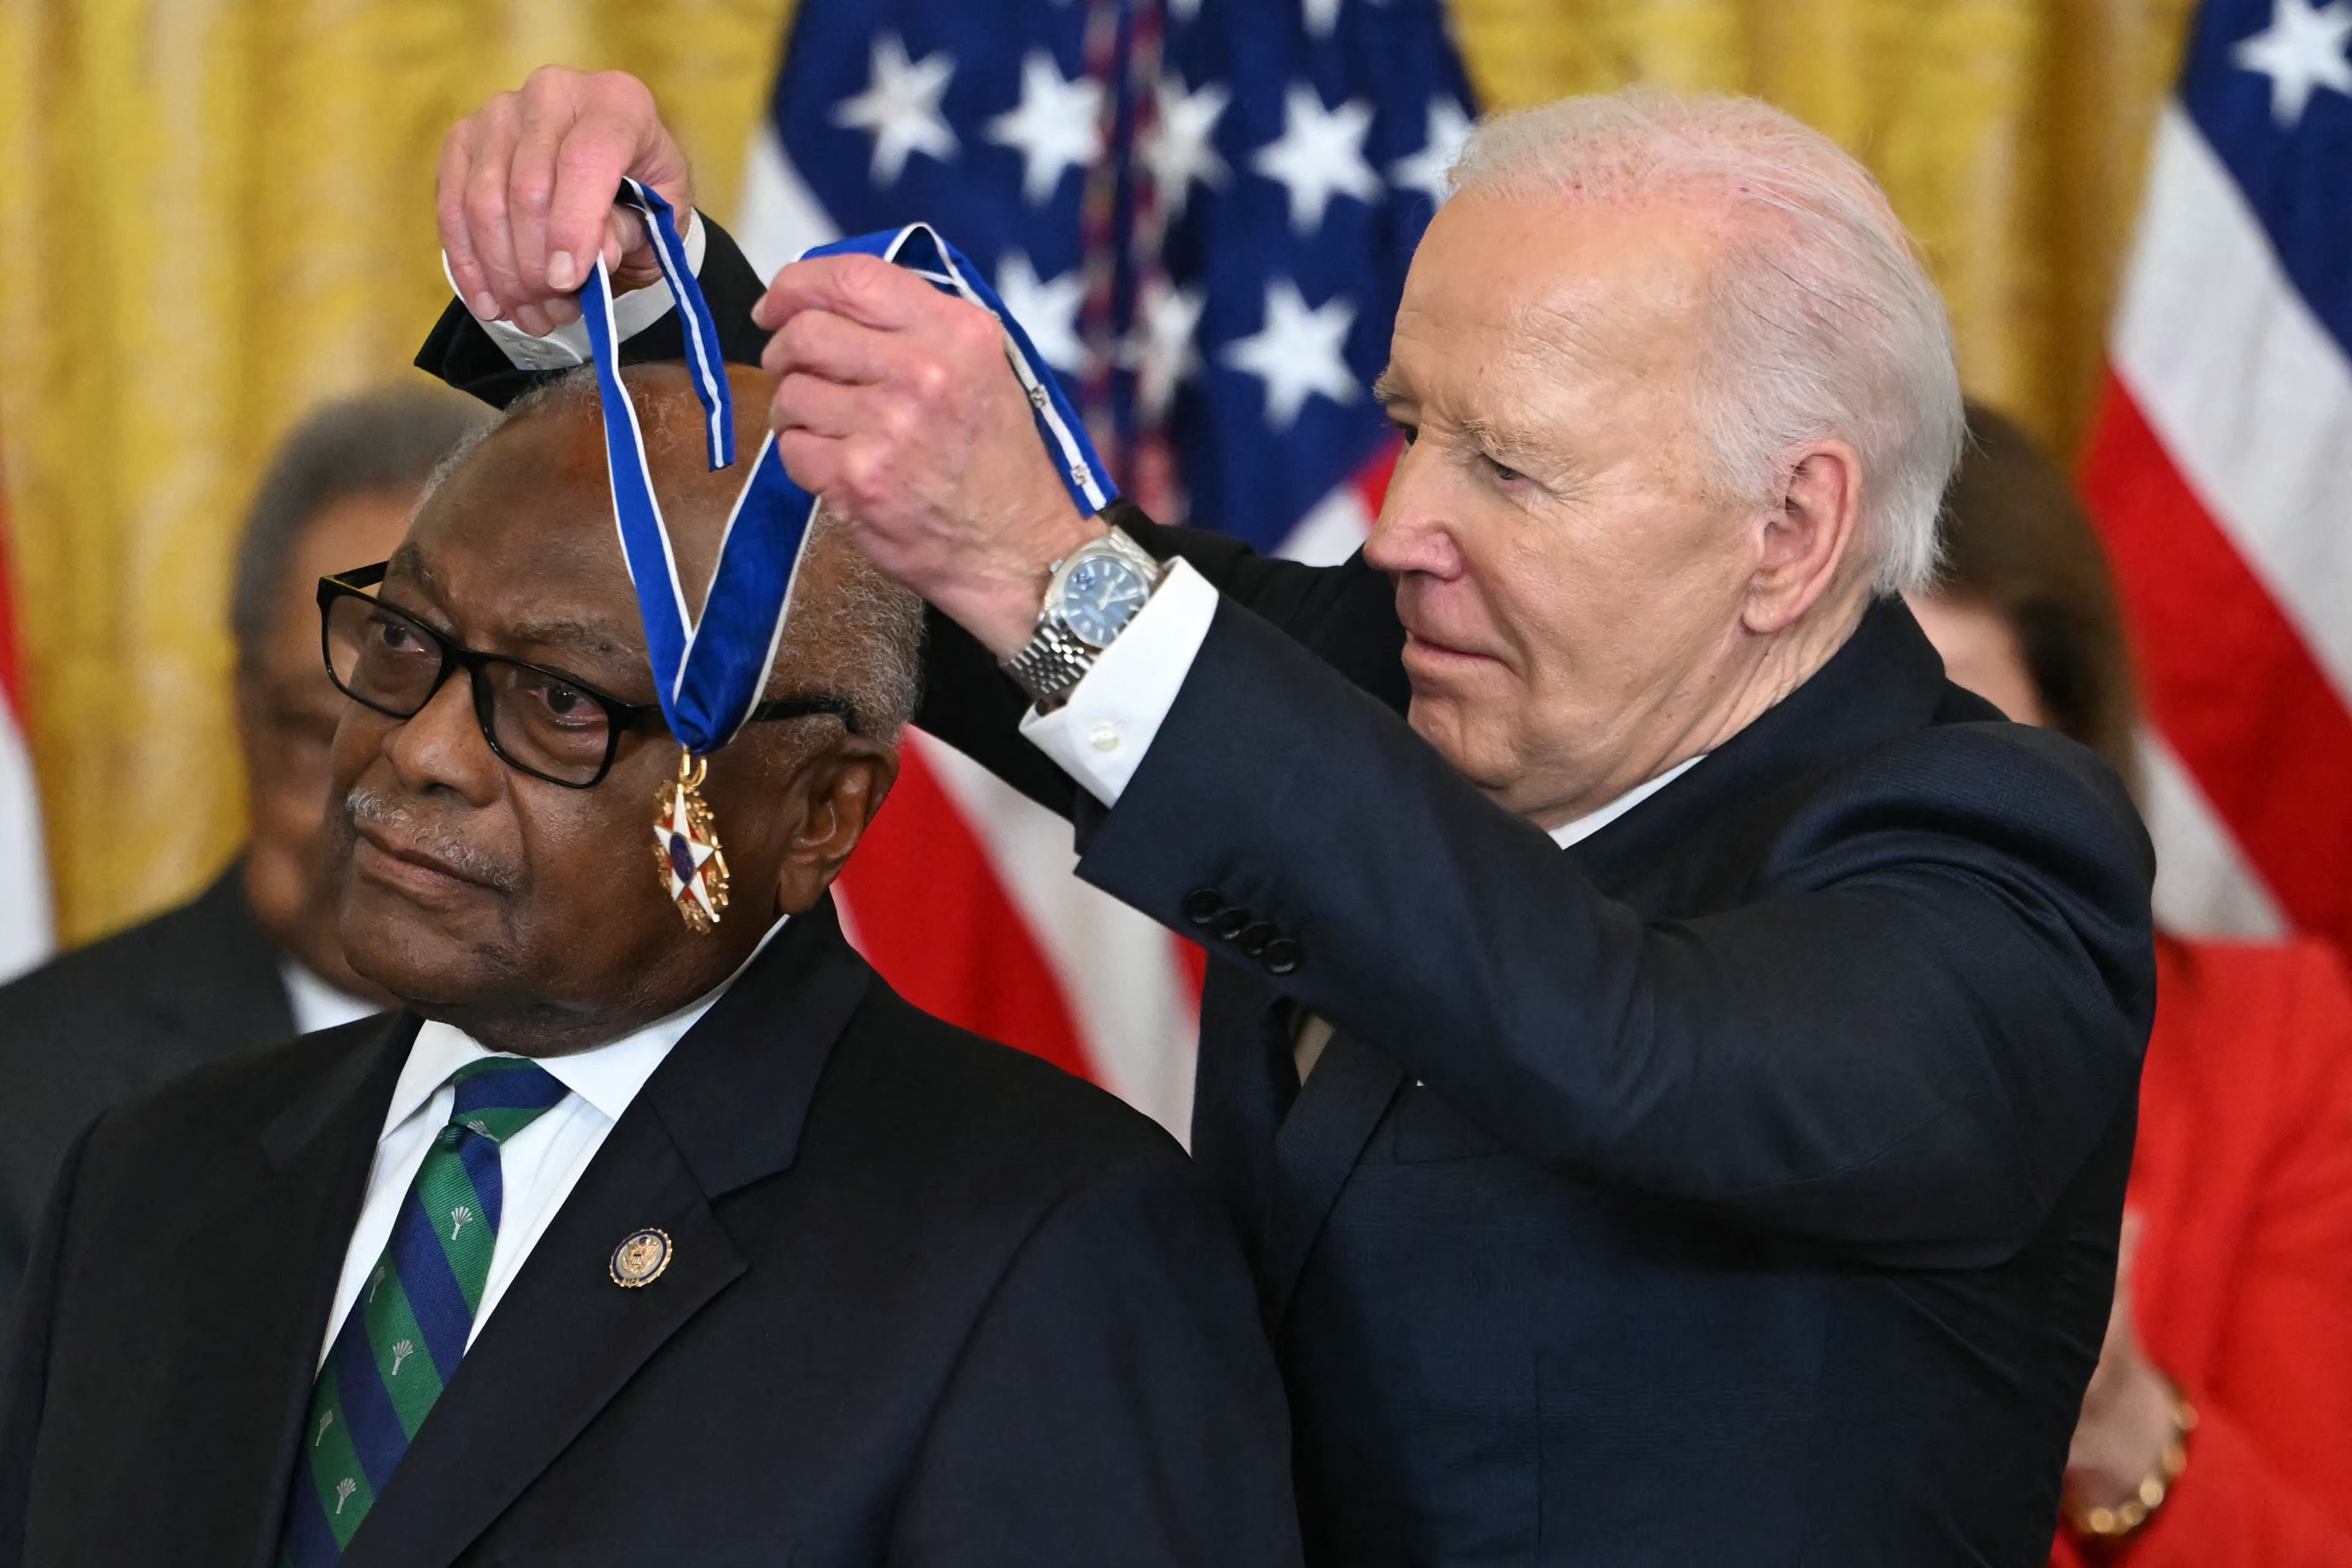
(23, 1375)
(1905, 1039)
(1117, 1402)
(461, 353)
(1344, 615)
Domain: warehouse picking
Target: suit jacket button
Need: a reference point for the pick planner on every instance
(1254, 940)
(1230, 923)
(1203, 905)
(1282, 955)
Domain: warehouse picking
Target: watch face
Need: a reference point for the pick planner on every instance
(1100, 596)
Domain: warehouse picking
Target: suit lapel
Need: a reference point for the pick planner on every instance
(1885, 680)
(268, 1320)
(1339, 1105)
(724, 1110)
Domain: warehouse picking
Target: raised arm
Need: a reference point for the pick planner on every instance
(524, 198)
(1344, 615)
(1918, 1013)
(1828, 1058)
(531, 175)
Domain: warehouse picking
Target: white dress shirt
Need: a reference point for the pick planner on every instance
(1592, 822)
(567, 345)
(315, 1003)
(1101, 731)
(538, 1167)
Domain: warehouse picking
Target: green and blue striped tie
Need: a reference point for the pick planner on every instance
(403, 1341)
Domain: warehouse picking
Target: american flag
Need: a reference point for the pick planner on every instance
(1202, 211)
(2221, 471)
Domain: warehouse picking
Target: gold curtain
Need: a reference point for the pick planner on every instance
(220, 211)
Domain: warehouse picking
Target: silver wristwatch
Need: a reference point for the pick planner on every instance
(1090, 598)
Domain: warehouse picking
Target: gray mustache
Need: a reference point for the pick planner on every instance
(419, 832)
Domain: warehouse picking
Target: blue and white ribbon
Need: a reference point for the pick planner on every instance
(710, 672)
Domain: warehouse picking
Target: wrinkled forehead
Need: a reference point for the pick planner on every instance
(517, 548)
(545, 471)
(521, 541)
(1561, 284)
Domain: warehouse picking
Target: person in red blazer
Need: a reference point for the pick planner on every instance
(2217, 1431)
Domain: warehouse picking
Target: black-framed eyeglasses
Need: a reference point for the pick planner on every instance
(542, 721)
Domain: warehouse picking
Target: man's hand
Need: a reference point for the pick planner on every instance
(894, 403)
(525, 194)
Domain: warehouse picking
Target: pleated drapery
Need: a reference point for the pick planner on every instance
(217, 211)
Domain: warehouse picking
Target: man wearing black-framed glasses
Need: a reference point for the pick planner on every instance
(656, 1227)
(548, 722)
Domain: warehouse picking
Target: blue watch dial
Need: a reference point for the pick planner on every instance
(1100, 596)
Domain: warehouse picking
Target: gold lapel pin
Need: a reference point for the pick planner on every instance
(640, 1259)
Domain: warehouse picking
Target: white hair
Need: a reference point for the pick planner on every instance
(1826, 324)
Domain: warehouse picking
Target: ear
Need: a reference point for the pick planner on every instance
(1801, 547)
(844, 788)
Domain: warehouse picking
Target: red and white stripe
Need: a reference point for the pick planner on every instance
(2221, 472)
(26, 933)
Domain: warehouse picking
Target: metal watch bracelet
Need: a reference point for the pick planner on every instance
(1050, 665)
(1056, 657)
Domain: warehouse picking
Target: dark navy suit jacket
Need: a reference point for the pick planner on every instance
(1738, 1186)
(931, 1302)
(103, 1024)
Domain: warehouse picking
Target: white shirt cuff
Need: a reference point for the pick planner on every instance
(1101, 734)
(566, 346)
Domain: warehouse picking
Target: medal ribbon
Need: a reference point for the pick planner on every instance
(710, 672)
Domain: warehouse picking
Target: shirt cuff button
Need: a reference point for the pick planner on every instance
(1103, 737)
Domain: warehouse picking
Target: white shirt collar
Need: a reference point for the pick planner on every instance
(1592, 822)
(315, 1003)
(607, 1077)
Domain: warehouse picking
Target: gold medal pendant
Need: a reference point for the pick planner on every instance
(686, 847)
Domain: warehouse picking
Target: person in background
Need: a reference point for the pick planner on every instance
(2224, 1389)
(253, 958)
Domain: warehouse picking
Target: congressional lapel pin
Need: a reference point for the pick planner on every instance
(640, 1259)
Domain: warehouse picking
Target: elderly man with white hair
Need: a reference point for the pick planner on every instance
(1672, 1056)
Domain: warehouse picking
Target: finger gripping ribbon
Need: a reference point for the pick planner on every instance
(710, 671)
